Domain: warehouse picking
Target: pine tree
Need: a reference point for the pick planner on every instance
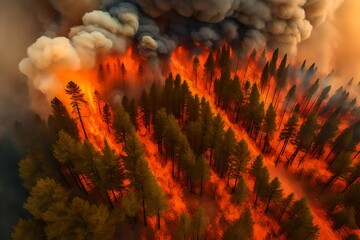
(154, 100)
(184, 227)
(77, 99)
(343, 142)
(287, 134)
(304, 137)
(145, 108)
(216, 133)
(141, 178)
(239, 162)
(193, 109)
(112, 171)
(195, 67)
(323, 95)
(264, 80)
(209, 70)
(339, 167)
(157, 200)
(237, 97)
(28, 229)
(31, 168)
(289, 97)
(273, 192)
(353, 176)
(159, 127)
(242, 229)
(61, 120)
(167, 94)
(66, 151)
(273, 62)
(256, 167)
(202, 171)
(122, 125)
(133, 112)
(345, 217)
(224, 152)
(241, 191)
(199, 223)
(299, 225)
(326, 134)
(79, 220)
(262, 181)
(269, 126)
(43, 195)
(309, 94)
(172, 132)
(285, 204)
(131, 204)
(98, 100)
(107, 116)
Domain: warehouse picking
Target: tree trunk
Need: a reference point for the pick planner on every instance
(158, 218)
(81, 122)
(268, 203)
(293, 156)
(109, 199)
(144, 211)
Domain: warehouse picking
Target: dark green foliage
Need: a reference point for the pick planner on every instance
(32, 168)
(78, 220)
(28, 229)
(224, 151)
(145, 108)
(172, 133)
(61, 120)
(273, 192)
(339, 167)
(273, 62)
(106, 115)
(239, 162)
(209, 70)
(43, 195)
(353, 176)
(269, 126)
(159, 127)
(285, 204)
(345, 217)
(202, 171)
(122, 125)
(241, 191)
(184, 227)
(261, 184)
(323, 95)
(299, 224)
(199, 223)
(264, 80)
(326, 134)
(305, 136)
(242, 229)
(195, 67)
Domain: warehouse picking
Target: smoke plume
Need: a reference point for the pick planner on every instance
(77, 36)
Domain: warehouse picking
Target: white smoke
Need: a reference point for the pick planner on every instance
(99, 36)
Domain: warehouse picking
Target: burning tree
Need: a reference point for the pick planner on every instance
(77, 99)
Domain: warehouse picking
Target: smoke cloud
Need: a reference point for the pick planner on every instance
(98, 28)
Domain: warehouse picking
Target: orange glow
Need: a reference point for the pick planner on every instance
(226, 211)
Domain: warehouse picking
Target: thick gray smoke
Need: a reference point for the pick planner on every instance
(157, 27)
